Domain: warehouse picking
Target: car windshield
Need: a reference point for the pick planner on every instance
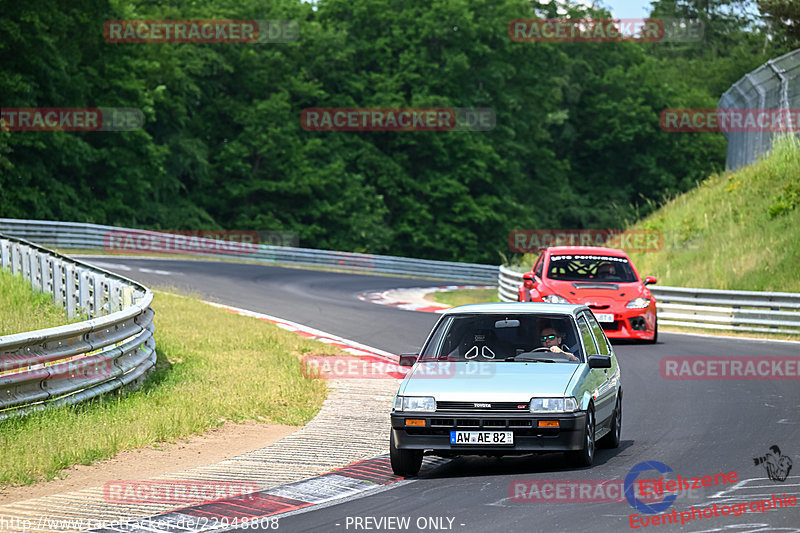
(504, 338)
(591, 268)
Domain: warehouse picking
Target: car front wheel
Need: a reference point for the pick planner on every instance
(654, 340)
(405, 463)
(585, 456)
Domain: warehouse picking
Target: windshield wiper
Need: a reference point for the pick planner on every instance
(514, 359)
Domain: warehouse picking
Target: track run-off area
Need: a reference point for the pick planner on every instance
(695, 427)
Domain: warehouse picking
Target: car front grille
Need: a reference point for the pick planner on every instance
(479, 423)
(517, 407)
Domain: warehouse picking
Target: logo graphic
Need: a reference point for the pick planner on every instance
(630, 495)
(777, 465)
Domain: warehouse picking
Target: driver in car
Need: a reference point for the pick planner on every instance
(552, 340)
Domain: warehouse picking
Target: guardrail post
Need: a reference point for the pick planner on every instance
(46, 274)
(59, 287)
(84, 293)
(25, 260)
(5, 253)
(36, 272)
(70, 289)
(99, 286)
(15, 258)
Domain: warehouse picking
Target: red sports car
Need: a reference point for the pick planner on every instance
(604, 279)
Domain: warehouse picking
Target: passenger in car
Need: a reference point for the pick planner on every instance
(553, 340)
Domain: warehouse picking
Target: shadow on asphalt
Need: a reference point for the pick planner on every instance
(477, 466)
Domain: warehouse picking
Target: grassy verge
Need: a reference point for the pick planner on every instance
(213, 366)
(734, 231)
(464, 296)
(23, 309)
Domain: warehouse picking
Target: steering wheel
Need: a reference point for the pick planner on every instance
(541, 349)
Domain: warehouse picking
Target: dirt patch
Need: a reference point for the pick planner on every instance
(213, 446)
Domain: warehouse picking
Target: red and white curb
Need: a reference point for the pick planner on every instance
(262, 510)
(351, 347)
(413, 299)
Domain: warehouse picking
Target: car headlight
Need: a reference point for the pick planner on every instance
(414, 403)
(553, 405)
(555, 299)
(638, 303)
(398, 403)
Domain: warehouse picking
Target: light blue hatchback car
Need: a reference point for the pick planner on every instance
(510, 378)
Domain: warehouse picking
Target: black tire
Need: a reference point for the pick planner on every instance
(655, 335)
(585, 456)
(405, 463)
(612, 439)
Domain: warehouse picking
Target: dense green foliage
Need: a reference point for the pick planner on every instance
(577, 141)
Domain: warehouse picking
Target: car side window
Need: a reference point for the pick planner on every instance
(432, 347)
(537, 269)
(586, 335)
(599, 336)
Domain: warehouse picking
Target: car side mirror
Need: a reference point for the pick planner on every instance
(650, 279)
(599, 361)
(408, 359)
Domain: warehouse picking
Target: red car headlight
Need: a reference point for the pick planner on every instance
(555, 299)
(638, 303)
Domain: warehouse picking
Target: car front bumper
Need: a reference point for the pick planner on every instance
(630, 324)
(528, 437)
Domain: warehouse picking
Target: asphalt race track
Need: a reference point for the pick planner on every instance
(697, 428)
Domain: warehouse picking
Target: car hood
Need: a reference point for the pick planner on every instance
(602, 293)
(475, 381)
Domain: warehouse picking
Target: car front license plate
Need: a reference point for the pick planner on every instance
(604, 317)
(482, 437)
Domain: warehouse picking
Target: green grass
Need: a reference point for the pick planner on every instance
(213, 366)
(734, 231)
(465, 296)
(23, 309)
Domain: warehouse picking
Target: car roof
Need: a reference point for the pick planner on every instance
(589, 250)
(518, 308)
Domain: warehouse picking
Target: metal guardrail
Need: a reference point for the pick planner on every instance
(68, 364)
(71, 235)
(753, 311)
